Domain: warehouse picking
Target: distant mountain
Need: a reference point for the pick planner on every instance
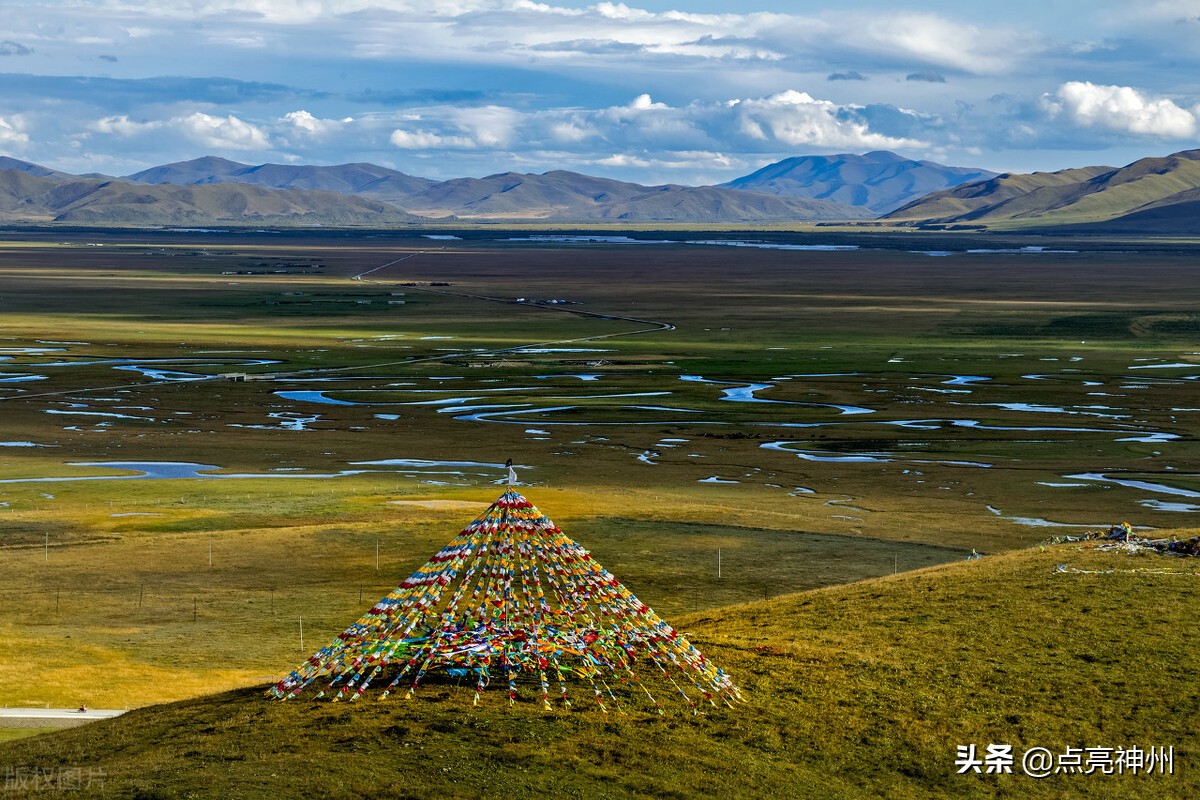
(26, 197)
(370, 180)
(7, 163)
(1151, 195)
(562, 196)
(557, 196)
(1148, 188)
(206, 169)
(881, 181)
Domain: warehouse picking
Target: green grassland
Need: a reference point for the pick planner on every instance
(852, 691)
(108, 596)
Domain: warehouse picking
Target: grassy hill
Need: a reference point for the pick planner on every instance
(1176, 215)
(1087, 195)
(862, 690)
(972, 200)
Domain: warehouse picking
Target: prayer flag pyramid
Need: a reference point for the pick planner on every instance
(513, 600)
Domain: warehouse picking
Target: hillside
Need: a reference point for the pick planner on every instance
(27, 197)
(1089, 194)
(215, 190)
(7, 163)
(880, 181)
(978, 197)
(862, 690)
(570, 196)
(370, 180)
(1177, 215)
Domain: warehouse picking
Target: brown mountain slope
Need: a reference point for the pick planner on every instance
(370, 180)
(30, 198)
(981, 196)
(1090, 194)
(570, 196)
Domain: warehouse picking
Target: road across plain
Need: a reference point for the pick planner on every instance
(53, 717)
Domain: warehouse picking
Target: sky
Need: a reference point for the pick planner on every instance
(657, 91)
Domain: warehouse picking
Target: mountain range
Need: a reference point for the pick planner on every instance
(212, 189)
(27, 196)
(552, 196)
(1151, 195)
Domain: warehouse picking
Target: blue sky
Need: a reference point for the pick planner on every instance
(695, 91)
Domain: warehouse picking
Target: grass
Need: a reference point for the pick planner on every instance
(13, 734)
(107, 596)
(852, 691)
(168, 626)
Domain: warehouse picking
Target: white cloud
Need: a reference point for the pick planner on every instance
(680, 160)
(568, 132)
(220, 133)
(1122, 109)
(931, 39)
(511, 31)
(223, 132)
(427, 140)
(488, 126)
(797, 119)
(303, 123)
(643, 102)
(123, 126)
(11, 133)
(645, 131)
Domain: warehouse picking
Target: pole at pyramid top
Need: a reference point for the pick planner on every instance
(512, 474)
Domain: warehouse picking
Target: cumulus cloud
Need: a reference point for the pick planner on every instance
(1121, 109)
(779, 122)
(927, 76)
(11, 133)
(644, 101)
(303, 124)
(219, 133)
(427, 140)
(797, 119)
(852, 75)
